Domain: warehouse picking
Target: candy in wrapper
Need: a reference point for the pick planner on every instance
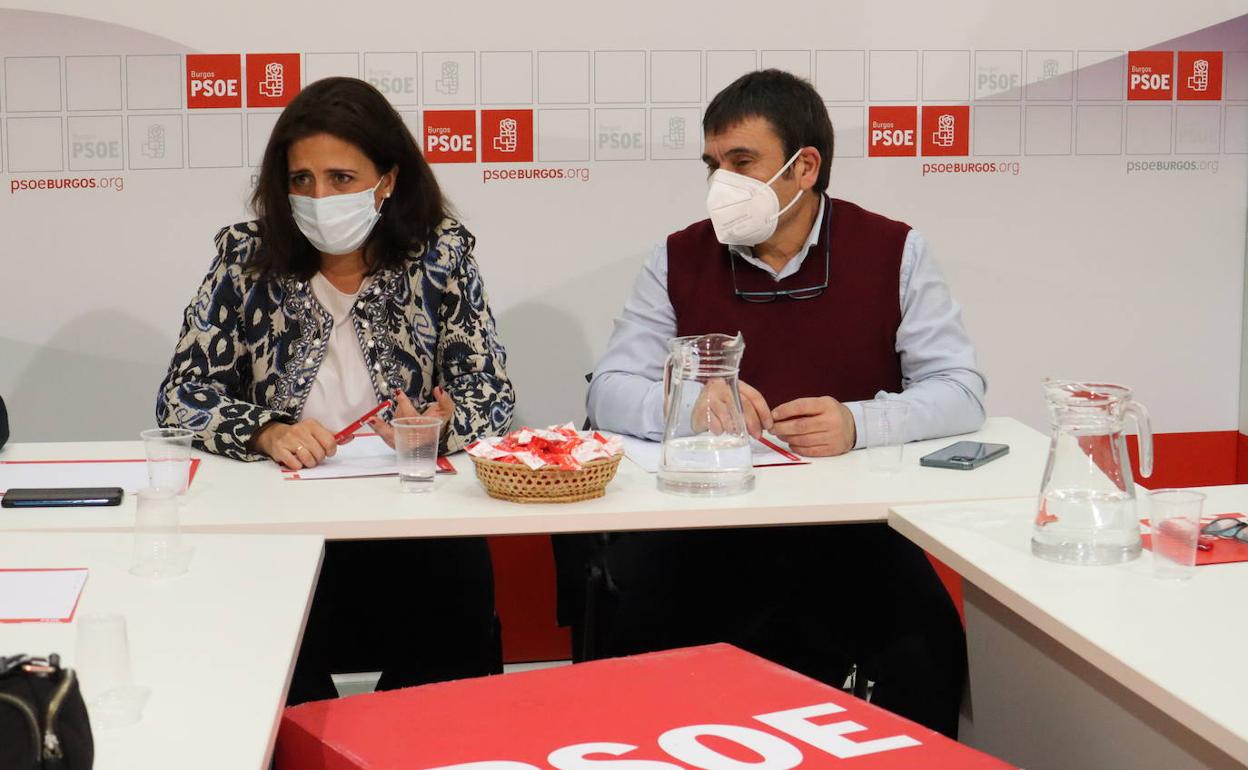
(528, 458)
(587, 452)
(559, 446)
(487, 448)
(613, 445)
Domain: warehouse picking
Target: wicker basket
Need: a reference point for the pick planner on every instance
(520, 484)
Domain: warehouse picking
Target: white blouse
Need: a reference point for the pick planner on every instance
(343, 389)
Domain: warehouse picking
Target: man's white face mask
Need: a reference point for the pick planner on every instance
(744, 211)
(336, 224)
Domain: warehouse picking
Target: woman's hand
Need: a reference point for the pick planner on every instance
(442, 407)
(302, 445)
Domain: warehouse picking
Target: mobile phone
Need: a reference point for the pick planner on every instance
(964, 455)
(62, 497)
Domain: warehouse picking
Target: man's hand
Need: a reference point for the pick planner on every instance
(713, 409)
(815, 427)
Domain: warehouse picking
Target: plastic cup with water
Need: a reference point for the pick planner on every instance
(168, 458)
(416, 446)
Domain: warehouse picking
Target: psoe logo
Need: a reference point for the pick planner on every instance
(155, 146)
(1200, 75)
(273, 85)
(620, 138)
(1150, 75)
(450, 136)
(213, 80)
(507, 136)
(448, 84)
(92, 150)
(272, 79)
(674, 138)
(892, 132)
(946, 130)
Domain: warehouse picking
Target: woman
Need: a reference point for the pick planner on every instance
(353, 284)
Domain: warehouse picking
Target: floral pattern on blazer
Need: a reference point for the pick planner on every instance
(250, 349)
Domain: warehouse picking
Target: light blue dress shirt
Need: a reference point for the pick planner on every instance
(940, 381)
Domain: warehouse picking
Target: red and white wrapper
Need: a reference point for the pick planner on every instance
(559, 446)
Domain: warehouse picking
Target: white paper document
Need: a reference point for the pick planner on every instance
(646, 453)
(40, 595)
(366, 455)
(130, 475)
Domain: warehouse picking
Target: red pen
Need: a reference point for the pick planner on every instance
(342, 435)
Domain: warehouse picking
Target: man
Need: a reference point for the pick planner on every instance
(837, 306)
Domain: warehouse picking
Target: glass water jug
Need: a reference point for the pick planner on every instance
(706, 447)
(1087, 511)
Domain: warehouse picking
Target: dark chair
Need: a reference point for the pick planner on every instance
(582, 589)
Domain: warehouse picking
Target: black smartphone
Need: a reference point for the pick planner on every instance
(964, 455)
(63, 497)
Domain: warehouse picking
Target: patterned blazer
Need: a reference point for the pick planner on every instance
(250, 349)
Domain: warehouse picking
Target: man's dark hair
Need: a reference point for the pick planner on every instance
(354, 112)
(790, 104)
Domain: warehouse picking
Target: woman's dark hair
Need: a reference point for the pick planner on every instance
(355, 112)
(790, 104)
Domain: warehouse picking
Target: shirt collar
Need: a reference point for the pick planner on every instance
(793, 265)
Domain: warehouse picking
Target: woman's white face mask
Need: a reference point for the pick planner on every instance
(336, 224)
(744, 211)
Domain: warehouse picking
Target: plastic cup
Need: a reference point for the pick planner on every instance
(158, 547)
(1174, 517)
(885, 423)
(102, 664)
(416, 445)
(102, 655)
(168, 458)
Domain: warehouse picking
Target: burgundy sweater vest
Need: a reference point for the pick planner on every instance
(840, 344)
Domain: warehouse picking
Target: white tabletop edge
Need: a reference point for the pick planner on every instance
(228, 496)
(290, 669)
(105, 554)
(1212, 730)
(544, 523)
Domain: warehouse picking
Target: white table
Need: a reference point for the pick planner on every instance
(253, 497)
(1093, 667)
(216, 645)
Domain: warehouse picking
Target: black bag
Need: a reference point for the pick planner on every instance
(4, 424)
(43, 720)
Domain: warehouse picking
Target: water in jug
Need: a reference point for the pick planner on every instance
(706, 447)
(1087, 510)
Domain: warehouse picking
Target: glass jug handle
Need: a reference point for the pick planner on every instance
(667, 383)
(1137, 410)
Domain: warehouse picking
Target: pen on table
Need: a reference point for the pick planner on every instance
(342, 435)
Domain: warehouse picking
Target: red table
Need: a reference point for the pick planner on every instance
(713, 708)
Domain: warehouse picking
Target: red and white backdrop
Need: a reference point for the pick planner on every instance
(1078, 168)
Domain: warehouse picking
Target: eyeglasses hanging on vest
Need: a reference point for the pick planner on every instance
(809, 292)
